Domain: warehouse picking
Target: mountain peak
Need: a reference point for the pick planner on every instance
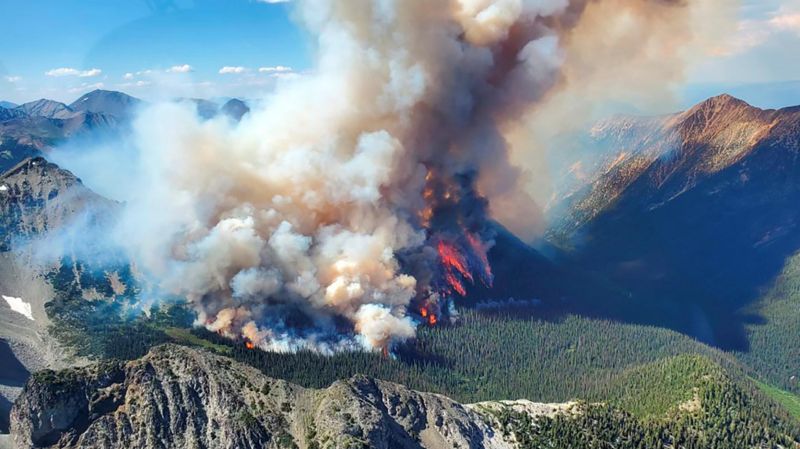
(720, 103)
(720, 113)
(106, 102)
(235, 108)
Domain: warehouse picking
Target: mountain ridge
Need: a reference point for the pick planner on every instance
(181, 397)
(703, 212)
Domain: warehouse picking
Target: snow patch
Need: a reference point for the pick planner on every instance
(19, 306)
(3, 188)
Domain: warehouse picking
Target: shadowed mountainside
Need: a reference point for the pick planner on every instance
(695, 214)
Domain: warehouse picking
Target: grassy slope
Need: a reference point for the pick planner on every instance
(790, 401)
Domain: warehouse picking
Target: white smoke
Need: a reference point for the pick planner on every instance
(288, 228)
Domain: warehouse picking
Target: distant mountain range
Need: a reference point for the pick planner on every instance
(33, 128)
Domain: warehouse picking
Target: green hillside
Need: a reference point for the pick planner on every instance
(688, 402)
(484, 355)
(790, 401)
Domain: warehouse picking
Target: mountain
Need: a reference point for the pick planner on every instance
(38, 203)
(106, 102)
(46, 108)
(206, 109)
(694, 214)
(8, 105)
(235, 108)
(37, 196)
(179, 397)
(36, 127)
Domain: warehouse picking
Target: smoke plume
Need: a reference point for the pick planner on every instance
(354, 204)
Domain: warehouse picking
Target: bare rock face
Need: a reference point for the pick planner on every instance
(177, 397)
(37, 196)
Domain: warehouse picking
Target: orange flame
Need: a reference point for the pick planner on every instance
(429, 316)
(249, 344)
(453, 260)
(432, 320)
(454, 265)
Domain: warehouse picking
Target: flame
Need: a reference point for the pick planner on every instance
(249, 344)
(453, 259)
(432, 320)
(454, 233)
(428, 315)
(455, 267)
(481, 252)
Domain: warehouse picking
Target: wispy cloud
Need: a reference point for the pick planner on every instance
(185, 68)
(275, 69)
(139, 83)
(786, 22)
(753, 33)
(69, 71)
(86, 86)
(13, 79)
(227, 70)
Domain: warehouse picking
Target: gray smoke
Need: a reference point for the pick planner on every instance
(314, 222)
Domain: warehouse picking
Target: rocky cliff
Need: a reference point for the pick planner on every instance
(177, 397)
(37, 196)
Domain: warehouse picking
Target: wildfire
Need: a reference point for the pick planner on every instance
(249, 344)
(455, 267)
(480, 250)
(452, 216)
(429, 316)
(432, 320)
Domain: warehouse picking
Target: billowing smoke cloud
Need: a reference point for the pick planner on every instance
(622, 56)
(354, 203)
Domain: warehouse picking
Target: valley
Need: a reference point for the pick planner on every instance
(634, 360)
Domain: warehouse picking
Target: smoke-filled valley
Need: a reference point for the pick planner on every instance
(355, 202)
(441, 200)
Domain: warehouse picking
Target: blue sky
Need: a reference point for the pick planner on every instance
(145, 46)
(60, 49)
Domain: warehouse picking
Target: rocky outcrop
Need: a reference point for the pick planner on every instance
(178, 397)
